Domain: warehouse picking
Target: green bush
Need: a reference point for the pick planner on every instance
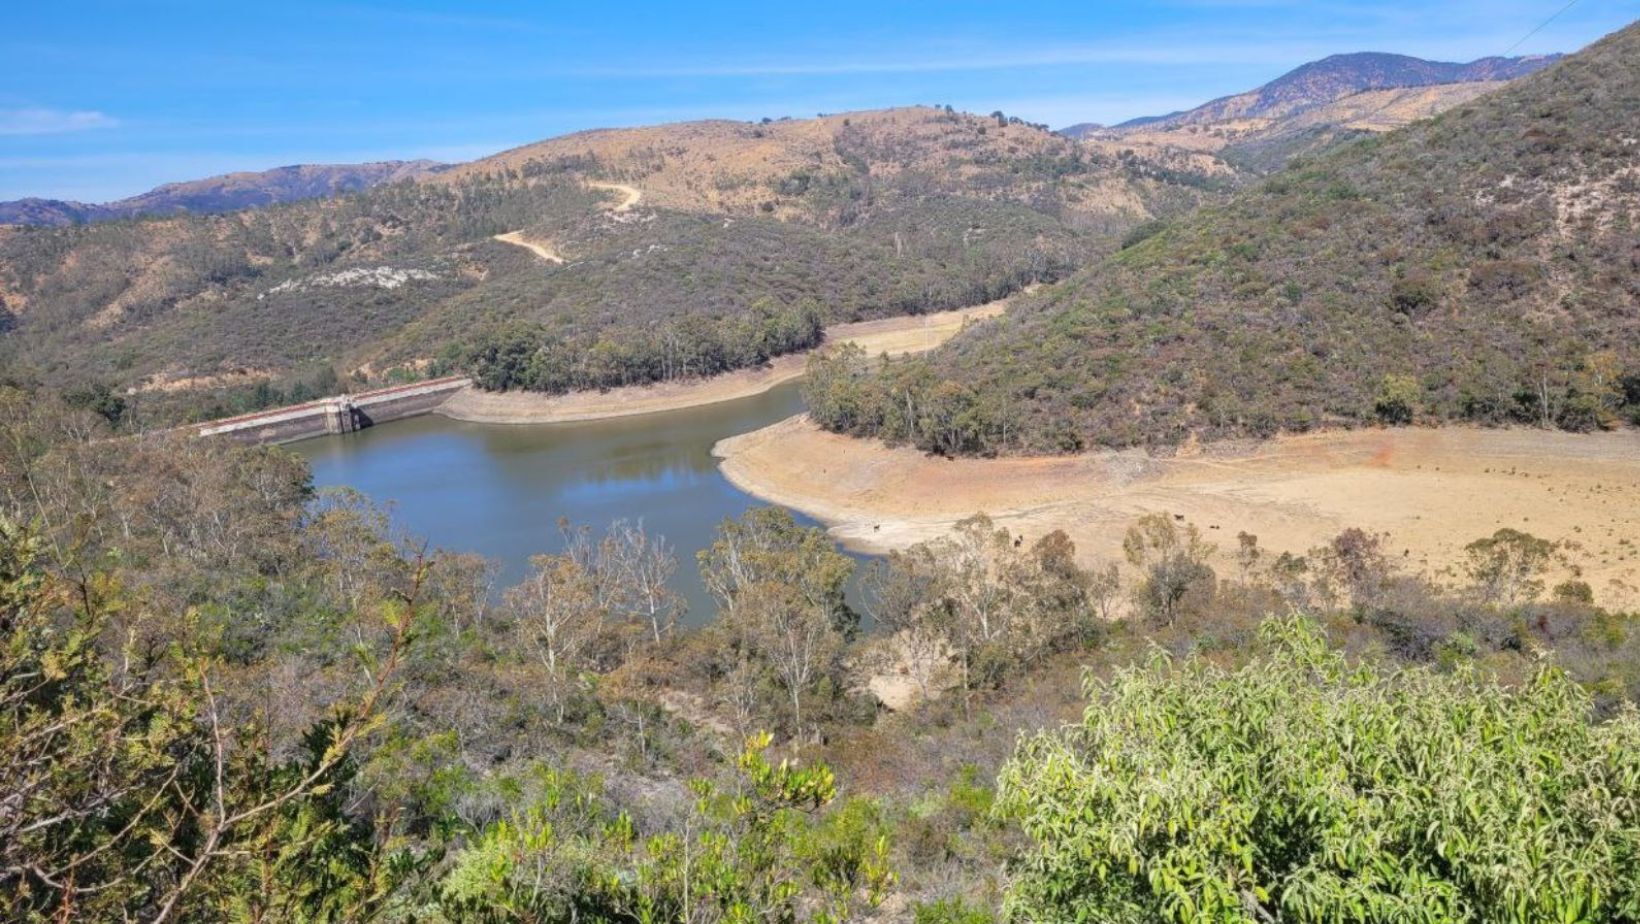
(1306, 788)
(951, 911)
(1398, 398)
(762, 851)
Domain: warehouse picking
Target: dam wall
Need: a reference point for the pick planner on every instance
(339, 414)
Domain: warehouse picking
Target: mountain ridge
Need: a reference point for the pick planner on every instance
(224, 192)
(1317, 105)
(1338, 76)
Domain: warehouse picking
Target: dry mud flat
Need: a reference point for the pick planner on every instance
(894, 336)
(1432, 490)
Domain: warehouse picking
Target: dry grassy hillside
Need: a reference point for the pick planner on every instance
(746, 168)
(1369, 110)
(1261, 143)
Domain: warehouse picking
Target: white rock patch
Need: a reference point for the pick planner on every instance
(380, 277)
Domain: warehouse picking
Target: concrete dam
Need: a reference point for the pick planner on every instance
(340, 414)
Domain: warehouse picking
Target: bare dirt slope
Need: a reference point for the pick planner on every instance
(1431, 490)
(894, 336)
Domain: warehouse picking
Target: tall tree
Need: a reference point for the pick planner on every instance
(643, 566)
(558, 615)
(781, 590)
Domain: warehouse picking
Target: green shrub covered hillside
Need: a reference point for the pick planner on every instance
(1480, 266)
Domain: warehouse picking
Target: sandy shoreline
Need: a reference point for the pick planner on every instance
(894, 336)
(1431, 490)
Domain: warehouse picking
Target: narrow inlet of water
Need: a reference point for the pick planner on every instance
(500, 489)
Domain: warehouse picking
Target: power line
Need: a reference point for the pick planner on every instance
(1539, 28)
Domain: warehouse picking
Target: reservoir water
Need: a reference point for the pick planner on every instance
(500, 489)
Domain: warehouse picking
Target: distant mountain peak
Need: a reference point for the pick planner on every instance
(1338, 76)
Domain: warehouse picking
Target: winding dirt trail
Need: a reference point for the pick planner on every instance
(544, 251)
(633, 194)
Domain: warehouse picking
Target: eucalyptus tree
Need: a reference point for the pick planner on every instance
(780, 590)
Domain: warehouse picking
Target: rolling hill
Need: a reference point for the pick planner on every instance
(777, 167)
(226, 193)
(1479, 266)
(745, 235)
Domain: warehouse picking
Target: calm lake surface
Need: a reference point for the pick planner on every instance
(499, 490)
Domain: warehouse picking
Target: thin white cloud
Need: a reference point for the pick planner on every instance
(957, 62)
(1154, 50)
(51, 121)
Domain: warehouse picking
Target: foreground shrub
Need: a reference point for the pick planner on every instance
(763, 851)
(1304, 788)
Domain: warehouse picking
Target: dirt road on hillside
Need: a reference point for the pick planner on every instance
(544, 251)
(633, 194)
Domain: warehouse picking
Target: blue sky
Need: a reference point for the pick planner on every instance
(102, 100)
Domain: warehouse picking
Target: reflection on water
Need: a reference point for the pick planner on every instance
(500, 490)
